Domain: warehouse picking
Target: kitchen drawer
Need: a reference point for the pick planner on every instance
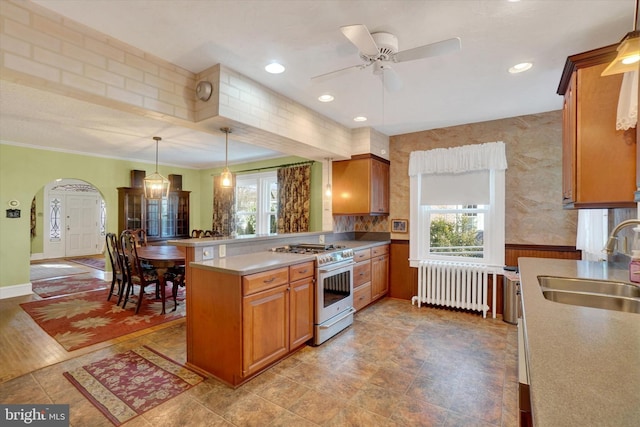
(257, 282)
(361, 255)
(380, 250)
(361, 273)
(300, 271)
(362, 296)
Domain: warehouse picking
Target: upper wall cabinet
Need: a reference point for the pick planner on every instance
(361, 186)
(599, 162)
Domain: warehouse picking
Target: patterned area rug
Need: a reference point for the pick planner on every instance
(97, 263)
(53, 269)
(80, 320)
(68, 285)
(128, 384)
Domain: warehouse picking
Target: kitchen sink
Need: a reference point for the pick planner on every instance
(605, 294)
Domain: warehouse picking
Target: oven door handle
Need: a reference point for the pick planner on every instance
(347, 313)
(336, 267)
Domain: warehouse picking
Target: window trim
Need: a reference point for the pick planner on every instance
(263, 181)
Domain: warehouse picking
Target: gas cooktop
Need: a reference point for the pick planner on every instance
(307, 248)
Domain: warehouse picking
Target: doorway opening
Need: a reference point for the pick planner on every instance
(68, 219)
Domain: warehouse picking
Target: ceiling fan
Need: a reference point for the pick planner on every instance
(380, 50)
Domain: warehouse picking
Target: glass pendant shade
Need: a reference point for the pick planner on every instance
(226, 178)
(628, 57)
(156, 186)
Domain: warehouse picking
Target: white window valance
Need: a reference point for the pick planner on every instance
(467, 158)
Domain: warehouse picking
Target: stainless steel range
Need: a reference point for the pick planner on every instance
(334, 287)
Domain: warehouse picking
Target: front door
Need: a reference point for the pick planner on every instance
(82, 226)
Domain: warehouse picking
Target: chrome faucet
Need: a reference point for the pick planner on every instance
(613, 238)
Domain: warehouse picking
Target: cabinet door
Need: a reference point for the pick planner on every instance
(301, 311)
(379, 276)
(379, 187)
(131, 207)
(265, 328)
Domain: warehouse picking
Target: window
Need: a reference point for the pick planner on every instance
(256, 203)
(458, 208)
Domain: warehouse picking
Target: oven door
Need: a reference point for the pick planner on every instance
(334, 290)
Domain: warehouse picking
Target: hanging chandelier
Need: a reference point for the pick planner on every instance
(156, 186)
(628, 57)
(226, 177)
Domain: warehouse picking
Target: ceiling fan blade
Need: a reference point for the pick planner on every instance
(360, 36)
(336, 73)
(426, 51)
(391, 80)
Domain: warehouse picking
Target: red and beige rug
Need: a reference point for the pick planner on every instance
(84, 319)
(68, 285)
(128, 384)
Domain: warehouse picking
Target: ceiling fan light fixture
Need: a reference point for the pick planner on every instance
(326, 98)
(155, 185)
(521, 67)
(274, 68)
(360, 119)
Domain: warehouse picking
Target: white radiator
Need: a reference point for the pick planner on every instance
(455, 284)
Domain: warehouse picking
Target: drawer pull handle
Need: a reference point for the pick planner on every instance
(302, 271)
(269, 280)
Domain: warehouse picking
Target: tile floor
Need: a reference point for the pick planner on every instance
(398, 365)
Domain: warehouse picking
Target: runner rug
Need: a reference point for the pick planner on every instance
(69, 285)
(97, 263)
(128, 384)
(84, 319)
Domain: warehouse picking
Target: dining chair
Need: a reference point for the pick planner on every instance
(196, 233)
(117, 267)
(175, 275)
(141, 236)
(136, 273)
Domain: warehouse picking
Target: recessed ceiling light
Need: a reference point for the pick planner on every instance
(274, 68)
(360, 119)
(519, 68)
(325, 98)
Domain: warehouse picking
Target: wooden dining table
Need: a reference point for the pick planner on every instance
(162, 257)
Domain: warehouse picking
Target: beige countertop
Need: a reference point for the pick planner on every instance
(256, 262)
(584, 363)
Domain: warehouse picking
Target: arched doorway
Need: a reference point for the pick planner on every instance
(68, 218)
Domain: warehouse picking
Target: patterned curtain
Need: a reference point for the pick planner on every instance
(293, 199)
(224, 208)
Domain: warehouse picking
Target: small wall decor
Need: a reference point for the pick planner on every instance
(399, 226)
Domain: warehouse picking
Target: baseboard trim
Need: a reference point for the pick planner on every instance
(16, 290)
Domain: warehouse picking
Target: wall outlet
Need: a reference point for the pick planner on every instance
(321, 239)
(207, 253)
(222, 251)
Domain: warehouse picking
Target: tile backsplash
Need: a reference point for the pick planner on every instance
(370, 223)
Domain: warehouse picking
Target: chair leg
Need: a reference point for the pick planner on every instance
(174, 292)
(113, 285)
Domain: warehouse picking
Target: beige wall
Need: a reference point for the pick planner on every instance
(534, 212)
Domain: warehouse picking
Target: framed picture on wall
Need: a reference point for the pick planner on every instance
(399, 226)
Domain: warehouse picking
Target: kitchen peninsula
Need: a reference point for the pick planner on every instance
(583, 363)
(253, 306)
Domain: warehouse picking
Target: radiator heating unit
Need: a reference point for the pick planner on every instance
(454, 284)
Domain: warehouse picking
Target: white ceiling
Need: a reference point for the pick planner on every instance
(470, 86)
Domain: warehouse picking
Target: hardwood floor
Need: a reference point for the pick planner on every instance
(398, 365)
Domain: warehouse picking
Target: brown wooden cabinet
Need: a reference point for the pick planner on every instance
(599, 162)
(370, 275)
(361, 186)
(379, 271)
(239, 325)
(161, 219)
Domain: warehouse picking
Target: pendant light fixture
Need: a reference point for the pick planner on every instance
(628, 57)
(328, 190)
(226, 177)
(156, 186)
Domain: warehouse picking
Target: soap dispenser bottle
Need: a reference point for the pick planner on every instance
(634, 267)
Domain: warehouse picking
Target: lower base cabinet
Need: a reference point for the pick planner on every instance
(239, 325)
(370, 275)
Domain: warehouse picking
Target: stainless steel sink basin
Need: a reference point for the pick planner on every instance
(605, 294)
(605, 287)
